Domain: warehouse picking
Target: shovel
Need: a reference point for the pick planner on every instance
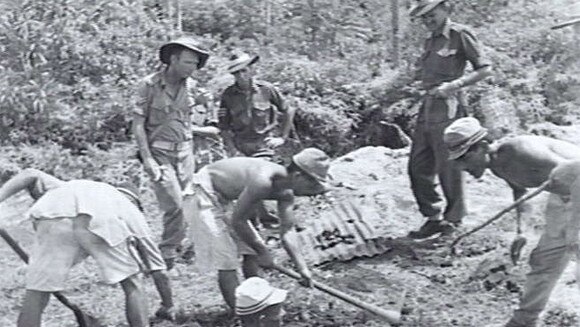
(500, 214)
(518, 243)
(391, 316)
(83, 319)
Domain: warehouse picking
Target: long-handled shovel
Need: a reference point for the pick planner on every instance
(83, 319)
(391, 316)
(500, 214)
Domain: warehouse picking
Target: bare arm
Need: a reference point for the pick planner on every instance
(244, 210)
(151, 166)
(26, 180)
(287, 121)
(288, 234)
(518, 192)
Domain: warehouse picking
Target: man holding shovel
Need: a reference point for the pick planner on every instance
(220, 238)
(80, 218)
(525, 162)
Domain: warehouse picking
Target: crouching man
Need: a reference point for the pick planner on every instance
(523, 162)
(80, 218)
(220, 237)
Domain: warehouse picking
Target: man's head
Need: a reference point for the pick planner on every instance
(466, 141)
(433, 13)
(183, 56)
(258, 303)
(240, 66)
(309, 170)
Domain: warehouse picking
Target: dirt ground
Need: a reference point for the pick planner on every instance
(479, 287)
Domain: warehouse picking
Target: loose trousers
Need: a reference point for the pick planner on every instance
(547, 261)
(428, 160)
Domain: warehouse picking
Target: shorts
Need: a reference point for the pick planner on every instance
(217, 246)
(61, 243)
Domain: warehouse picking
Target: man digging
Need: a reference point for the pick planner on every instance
(80, 218)
(525, 162)
(219, 237)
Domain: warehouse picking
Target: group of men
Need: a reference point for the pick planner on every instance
(446, 142)
(218, 203)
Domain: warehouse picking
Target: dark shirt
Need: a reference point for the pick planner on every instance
(250, 114)
(446, 54)
(168, 117)
(444, 59)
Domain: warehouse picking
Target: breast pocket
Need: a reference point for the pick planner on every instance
(158, 110)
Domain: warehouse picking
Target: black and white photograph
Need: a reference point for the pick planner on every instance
(296, 163)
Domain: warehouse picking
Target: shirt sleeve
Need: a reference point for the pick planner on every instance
(142, 100)
(473, 50)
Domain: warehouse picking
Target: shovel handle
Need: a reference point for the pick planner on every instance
(391, 316)
(501, 213)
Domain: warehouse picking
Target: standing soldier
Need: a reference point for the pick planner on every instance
(248, 116)
(163, 129)
(442, 65)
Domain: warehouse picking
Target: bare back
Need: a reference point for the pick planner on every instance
(526, 161)
(231, 176)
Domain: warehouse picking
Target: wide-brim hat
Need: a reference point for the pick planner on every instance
(187, 42)
(313, 162)
(461, 135)
(424, 6)
(255, 294)
(241, 61)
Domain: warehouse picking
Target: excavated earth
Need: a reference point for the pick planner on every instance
(477, 287)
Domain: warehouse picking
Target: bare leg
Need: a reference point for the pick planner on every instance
(163, 287)
(135, 304)
(228, 281)
(32, 308)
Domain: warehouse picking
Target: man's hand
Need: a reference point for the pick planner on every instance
(153, 169)
(274, 142)
(446, 89)
(306, 277)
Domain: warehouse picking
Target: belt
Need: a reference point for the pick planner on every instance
(172, 146)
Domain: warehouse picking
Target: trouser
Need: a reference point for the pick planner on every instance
(427, 160)
(178, 168)
(547, 261)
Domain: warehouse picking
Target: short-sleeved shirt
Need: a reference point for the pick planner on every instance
(250, 114)
(114, 217)
(167, 118)
(446, 54)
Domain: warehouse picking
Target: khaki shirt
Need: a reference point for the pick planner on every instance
(444, 59)
(250, 114)
(169, 118)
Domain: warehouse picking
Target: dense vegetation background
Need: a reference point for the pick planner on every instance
(69, 68)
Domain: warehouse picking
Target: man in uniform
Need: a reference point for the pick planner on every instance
(163, 128)
(442, 64)
(523, 162)
(248, 116)
(80, 218)
(220, 238)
